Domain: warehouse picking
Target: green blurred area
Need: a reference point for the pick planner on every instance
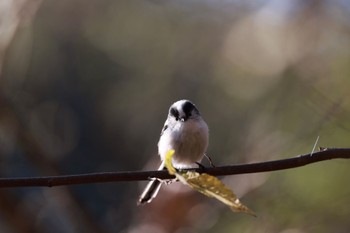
(86, 86)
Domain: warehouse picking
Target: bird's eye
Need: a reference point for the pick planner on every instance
(173, 112)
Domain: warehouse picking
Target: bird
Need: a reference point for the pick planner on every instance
(185, 132)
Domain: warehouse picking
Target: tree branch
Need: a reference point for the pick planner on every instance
(301, 160)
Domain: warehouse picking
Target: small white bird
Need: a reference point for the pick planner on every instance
(184, 131)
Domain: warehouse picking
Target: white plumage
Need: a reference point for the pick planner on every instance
(184, 131)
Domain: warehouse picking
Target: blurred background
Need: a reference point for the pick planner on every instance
(86, 86)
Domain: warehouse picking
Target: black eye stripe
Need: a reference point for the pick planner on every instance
(188, 107)
(173, 112)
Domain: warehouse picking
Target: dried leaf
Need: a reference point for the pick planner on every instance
(168, 163)
(207, 185)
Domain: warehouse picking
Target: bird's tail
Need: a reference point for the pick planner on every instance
(151, 190)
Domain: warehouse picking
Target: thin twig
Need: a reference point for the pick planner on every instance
(313, 148)
(301, 160)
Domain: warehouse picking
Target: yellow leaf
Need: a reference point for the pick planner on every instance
(168, 163)
(213, 187)
(207, 185)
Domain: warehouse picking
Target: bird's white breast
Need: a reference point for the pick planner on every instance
(189, 140)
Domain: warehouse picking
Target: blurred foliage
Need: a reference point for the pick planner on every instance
(86, 85)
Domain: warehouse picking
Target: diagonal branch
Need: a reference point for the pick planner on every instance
(301, 160)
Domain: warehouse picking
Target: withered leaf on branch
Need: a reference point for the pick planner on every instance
(207, 185)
